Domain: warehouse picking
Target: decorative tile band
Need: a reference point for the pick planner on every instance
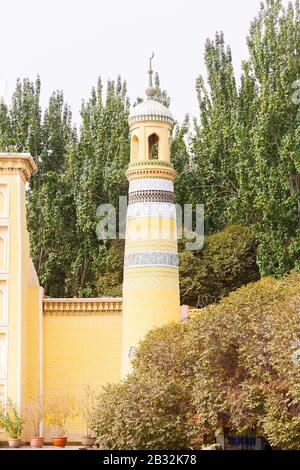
(151, 196)
(151, 277)
(151, 184)
(152, 283)
(162, 244)
(148, 171)
(151, 209)
(151, 163)
(151, 258)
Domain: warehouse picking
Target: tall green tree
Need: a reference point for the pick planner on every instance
(212, 146)
(245, 147)
(25, 118)
(274, 46)
(51, 208)
(103, 155)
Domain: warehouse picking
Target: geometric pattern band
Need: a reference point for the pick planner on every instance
(151, 209)
(150, 277)
(161, 244)
(151, 258)
(157, 184)
(151, 195)
(154, 282)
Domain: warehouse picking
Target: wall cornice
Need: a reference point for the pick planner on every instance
(17, 164)
(85, 307)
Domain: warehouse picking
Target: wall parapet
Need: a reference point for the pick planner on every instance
(76, 306)
(17, 164)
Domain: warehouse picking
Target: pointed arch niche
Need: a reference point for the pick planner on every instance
(3, 248)
(134, 148)
(3, 200)
(153, 146)
(3, 354)
(3, 303)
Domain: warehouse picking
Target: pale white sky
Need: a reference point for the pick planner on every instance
(71, 42)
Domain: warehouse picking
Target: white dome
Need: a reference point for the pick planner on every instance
(150, 110)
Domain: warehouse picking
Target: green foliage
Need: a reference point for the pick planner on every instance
(241, 161)
(234, 365)
(110, 277)
(246, 363)
(10, 420)
(226, 262)
(75, 175)
(150, 410)
(245, 150)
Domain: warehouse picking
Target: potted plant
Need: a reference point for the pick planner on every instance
(12, 422)
(34, 417)
(58, 412)
(87, 407)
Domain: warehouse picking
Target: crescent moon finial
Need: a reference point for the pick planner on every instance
(150, 59)
(150, 92)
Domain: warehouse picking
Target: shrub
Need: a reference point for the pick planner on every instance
(226, 262)
(11, 420)
(151, 409)
(233, 367)
(245, 355)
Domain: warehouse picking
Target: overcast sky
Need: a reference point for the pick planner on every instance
(69, 43)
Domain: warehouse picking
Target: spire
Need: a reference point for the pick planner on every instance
(150, 90)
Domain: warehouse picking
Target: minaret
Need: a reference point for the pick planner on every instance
(151, 277)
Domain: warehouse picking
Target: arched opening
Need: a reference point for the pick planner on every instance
(2, 354)
(1, 307)
(134, 148)
(153, 141)
(2, 204)
(2, 254)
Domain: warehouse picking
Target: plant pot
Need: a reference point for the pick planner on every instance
(88, 441)
(60, 441)
(37, 442)
(14, 443)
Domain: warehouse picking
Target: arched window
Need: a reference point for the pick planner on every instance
(134, 148)
(153, 146)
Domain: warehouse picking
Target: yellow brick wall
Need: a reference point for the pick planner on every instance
(31, 358)
(79, 350)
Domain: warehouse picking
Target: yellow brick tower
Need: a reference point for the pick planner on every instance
(151, 277)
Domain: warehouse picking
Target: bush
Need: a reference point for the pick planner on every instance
(151, 409)
(246, 362)
(233, 367)
(226, 262)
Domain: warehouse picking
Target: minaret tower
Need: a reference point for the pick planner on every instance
(151, 277)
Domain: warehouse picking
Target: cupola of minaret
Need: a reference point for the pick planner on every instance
(151, 277)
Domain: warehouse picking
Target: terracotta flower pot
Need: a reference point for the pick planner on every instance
(88, 441)
(60, 441)
(37, 442)
(14, 443)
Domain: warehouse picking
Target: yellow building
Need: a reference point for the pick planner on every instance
(55, 347)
